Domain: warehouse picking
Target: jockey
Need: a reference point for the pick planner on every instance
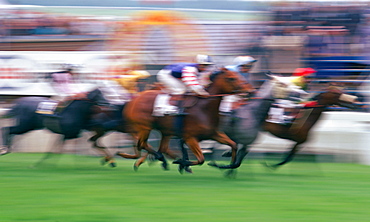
(181, 77)
(241, 65)
(300, 74)
(118, 90)
(62, 84)
(292, 103)
(129, 80)
(121, 85)
(62, 81)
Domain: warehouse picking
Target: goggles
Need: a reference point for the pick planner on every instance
(246, 66)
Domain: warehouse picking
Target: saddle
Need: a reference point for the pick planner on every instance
(166, 104)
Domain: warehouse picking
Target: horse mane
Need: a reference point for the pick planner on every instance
(155, 86)
(265, 89)
(335, 88)
(215, 73)
(97, 96)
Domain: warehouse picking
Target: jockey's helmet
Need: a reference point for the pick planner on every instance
(244, 60)
(204, 60)
(303, 71)
(69, 67)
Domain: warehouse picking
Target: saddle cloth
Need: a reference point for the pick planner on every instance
(47, 107)
(163, 107)
(276, 115)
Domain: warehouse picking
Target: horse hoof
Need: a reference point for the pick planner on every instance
(181, 169)
(136, 166)
(103, 161)
(152, 158)
(112, 164)
(165, 166)
(270, 167)
(231, 174)
(4, 151)
(188, 169)
(213, 164)
(226, 154)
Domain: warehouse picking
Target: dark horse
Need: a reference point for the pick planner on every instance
(251, 119)
(298, 132)
(69, 123)
(200, 123)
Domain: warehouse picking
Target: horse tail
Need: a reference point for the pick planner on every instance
(9, 112)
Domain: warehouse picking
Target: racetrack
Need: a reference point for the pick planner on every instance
(76, 188)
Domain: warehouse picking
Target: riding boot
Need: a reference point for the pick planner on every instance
(180, 105)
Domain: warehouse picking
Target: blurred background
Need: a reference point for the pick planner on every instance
(102, 38)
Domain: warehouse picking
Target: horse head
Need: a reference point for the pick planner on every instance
(335, 96)
(225, 81)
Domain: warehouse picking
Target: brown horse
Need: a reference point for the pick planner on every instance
(200, 123)
(298, 132)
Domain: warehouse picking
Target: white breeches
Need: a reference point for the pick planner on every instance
(114, 93)
(227, 103)
(172, 84)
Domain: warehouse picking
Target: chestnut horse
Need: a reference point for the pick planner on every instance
(200, 123)
(298, 132)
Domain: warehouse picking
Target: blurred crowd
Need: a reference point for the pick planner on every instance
(328, 29)
(25, 23)
(322, 29)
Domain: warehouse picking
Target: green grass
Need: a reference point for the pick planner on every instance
(76, 188)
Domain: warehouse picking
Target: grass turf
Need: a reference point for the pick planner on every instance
(76, 188)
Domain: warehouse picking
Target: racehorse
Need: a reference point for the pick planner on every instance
(251, 119)
(71, 121)
(298, 132)
(245, 123)
(200, 123)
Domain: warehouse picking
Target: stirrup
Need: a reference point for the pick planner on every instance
(181, 112)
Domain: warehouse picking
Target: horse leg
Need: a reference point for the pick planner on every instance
(94, 139)
(108, 157)
(137, 150)
(142, 143)
(7, 135)
(288, 157)
(235, 162)
(240, 155)
(185, 156)
(163, 148)
(7, 140)
(193, 144)
(57, 147)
